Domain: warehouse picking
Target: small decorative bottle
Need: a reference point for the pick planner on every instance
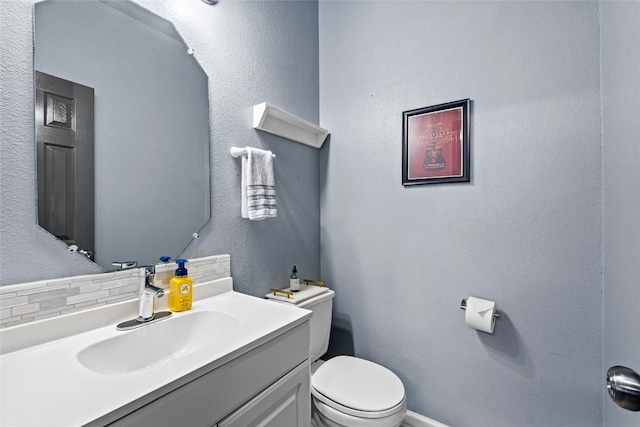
(294, 280)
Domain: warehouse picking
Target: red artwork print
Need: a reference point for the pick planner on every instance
(435, 144)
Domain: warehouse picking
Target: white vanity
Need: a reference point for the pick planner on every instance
(231, 360)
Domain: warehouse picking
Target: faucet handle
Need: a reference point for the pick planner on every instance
(147, 274)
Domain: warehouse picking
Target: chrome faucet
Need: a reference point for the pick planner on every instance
(146, 295)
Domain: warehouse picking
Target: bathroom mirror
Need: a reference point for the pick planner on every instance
(151, 189)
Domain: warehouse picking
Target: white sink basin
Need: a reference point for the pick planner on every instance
(158, 343)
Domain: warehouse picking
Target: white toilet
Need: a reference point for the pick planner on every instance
(346, 391)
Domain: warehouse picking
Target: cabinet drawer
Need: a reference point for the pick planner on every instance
(211, 397)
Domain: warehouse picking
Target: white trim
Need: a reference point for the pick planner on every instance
(413, 419)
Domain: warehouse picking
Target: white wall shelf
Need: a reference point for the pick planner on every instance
(279, 122)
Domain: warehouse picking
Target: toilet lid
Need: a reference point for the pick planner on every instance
(358, 384)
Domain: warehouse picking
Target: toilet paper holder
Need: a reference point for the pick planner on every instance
(463, 306)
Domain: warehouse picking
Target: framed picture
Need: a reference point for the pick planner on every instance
(435, 144)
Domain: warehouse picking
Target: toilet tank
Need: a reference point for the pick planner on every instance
(320, 323)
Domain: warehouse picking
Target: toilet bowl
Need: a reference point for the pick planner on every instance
(353, 392)
(346, 391)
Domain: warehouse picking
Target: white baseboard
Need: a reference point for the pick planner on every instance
(413, 419)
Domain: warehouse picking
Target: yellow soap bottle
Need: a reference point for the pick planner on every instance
(180, 289)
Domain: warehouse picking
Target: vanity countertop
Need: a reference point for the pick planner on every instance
(43, 381)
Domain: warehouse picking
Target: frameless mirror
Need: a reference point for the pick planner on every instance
(122, 131)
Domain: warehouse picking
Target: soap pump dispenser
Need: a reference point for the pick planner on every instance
(180, 289)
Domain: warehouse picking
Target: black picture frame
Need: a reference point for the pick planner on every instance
(435, 144)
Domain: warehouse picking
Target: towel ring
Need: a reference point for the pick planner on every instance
(237, 152)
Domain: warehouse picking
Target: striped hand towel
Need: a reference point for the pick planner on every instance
(258, 185)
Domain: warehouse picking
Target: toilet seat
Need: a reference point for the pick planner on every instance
(358, 387)
(331, 417)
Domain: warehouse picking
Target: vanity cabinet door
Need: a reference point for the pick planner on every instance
(285, 403)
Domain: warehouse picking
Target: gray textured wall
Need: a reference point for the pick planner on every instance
(621, 202)
(252, 52)
(526, 232)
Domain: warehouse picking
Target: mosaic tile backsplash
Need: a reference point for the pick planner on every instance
(26, 302)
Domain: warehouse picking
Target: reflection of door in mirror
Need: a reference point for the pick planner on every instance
(65, 160)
